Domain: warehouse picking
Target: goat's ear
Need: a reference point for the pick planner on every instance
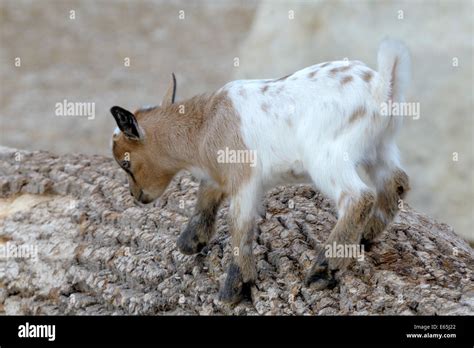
(170, 93)
(126, 122)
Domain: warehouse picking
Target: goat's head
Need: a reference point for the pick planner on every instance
(137, 148)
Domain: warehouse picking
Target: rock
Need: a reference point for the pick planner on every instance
(311, 218)
(99, 253)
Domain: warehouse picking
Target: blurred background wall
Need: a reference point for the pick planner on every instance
(79, 50)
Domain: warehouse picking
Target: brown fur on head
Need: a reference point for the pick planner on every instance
(149, 167)
(158, 142)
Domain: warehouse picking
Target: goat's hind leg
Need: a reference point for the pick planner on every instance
(355, 202)
(200, 227)
(392, 184)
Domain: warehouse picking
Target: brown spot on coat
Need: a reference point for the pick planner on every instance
(312, 74)
(346, 79)
(326, 64)
(357, 114)
(264, 89)
(265, 107)
(339, 69)
(367, 76)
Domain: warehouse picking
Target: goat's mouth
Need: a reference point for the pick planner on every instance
(143, 198)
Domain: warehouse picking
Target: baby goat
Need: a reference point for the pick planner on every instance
(316, 125)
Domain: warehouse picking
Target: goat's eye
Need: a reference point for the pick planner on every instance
(126, 164)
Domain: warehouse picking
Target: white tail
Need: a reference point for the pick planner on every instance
(394, 65)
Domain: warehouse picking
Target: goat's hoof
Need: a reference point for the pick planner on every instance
(189, 244)
(320, 277)
(320, 282)
(234, 289)
(367, 243)
(236, 295)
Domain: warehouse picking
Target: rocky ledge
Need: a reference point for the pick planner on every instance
(74, 242)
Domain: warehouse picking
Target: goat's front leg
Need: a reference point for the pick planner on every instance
(242, 271)
(200, 228)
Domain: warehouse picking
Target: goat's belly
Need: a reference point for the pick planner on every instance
(285, 175)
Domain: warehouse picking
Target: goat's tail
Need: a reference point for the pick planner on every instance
(393, 60)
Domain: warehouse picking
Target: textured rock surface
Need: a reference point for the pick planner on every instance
(99, 253)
